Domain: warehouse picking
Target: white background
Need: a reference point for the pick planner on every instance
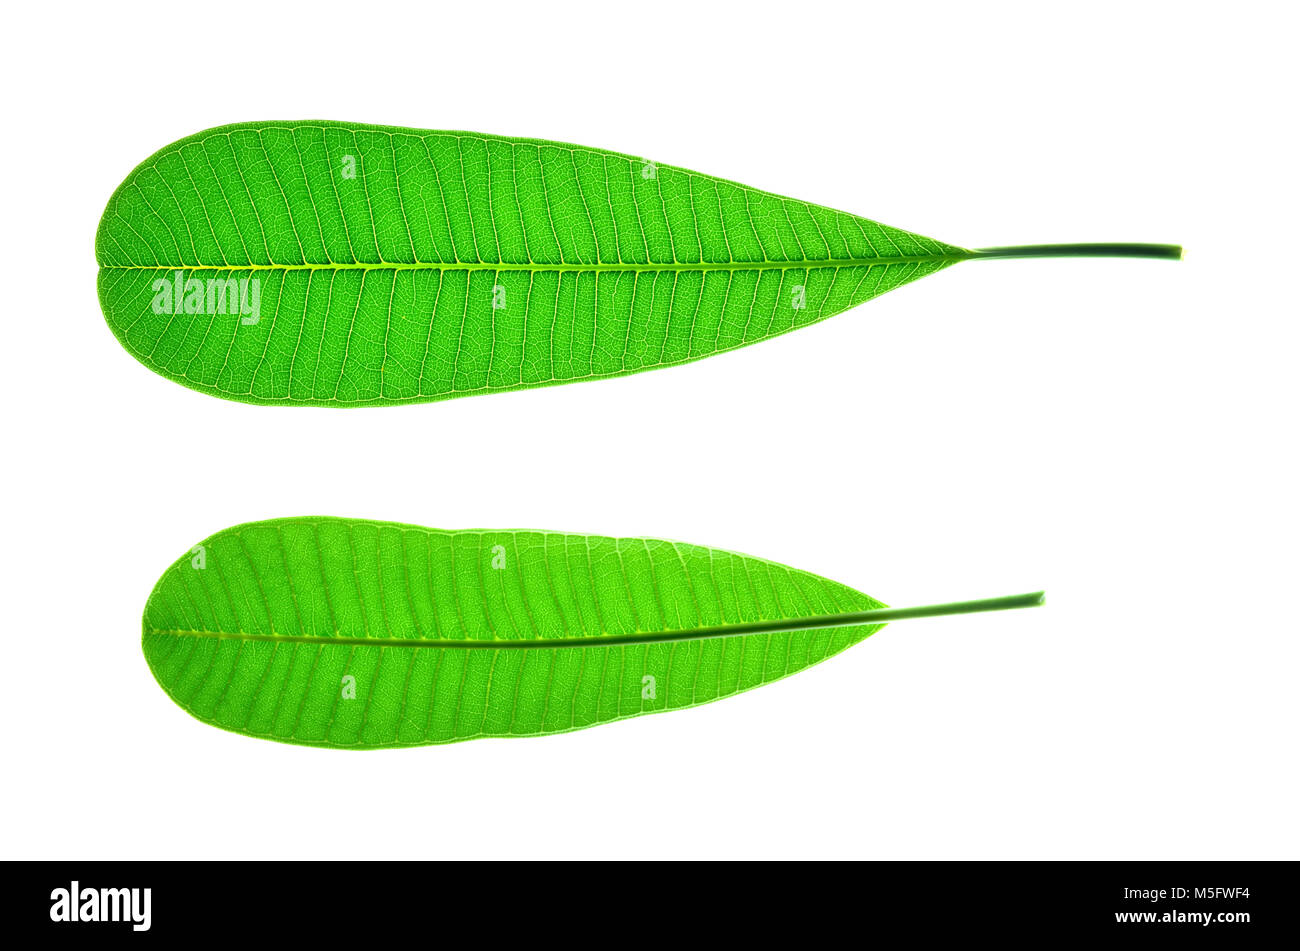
(1121, 433)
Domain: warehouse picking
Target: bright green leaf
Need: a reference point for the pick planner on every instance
(359, 634)
(340, 264)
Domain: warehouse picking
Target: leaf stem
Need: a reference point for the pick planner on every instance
(1168, 252)
(851, 619)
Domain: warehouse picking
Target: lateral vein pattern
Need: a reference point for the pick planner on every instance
(402, 265)
(267, 633)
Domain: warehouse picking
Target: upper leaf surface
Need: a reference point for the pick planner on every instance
(398, 265)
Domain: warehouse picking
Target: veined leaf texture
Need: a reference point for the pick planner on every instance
(341, 264)
(361, 634)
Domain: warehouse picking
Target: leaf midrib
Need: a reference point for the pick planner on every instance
(848, 619)
(487, 266)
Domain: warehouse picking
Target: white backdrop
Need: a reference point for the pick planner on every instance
(1121, 433)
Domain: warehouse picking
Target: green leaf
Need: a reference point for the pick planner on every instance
(328, 263)
(360, 634)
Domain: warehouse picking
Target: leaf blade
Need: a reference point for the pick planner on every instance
(339, 579)
(608, 271)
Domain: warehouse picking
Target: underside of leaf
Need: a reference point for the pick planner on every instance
(325, 263)
(361, 634)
